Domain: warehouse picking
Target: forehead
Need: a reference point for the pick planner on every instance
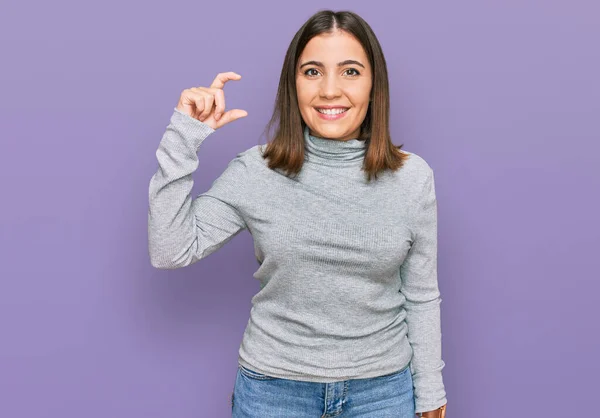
(331, 48)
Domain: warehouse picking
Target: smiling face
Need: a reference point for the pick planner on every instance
(333, 76)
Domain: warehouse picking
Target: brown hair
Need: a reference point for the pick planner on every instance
(286, 149)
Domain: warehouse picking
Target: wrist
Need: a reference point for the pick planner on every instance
(436, 413)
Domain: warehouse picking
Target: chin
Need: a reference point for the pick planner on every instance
(330, 131)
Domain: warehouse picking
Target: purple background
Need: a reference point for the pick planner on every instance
(502, 99)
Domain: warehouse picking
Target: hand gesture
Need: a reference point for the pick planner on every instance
(207, 104)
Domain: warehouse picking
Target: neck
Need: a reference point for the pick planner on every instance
(333, 151)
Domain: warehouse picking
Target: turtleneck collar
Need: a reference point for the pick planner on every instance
(332, 151)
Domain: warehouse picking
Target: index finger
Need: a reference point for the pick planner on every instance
(223, 78)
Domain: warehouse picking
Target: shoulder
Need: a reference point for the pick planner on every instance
(249, 153)
(415, 169)
(245, 164)
(251, 156)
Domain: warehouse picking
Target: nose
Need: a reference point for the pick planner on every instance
(330, 88)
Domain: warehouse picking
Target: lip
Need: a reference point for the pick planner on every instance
(331, 117)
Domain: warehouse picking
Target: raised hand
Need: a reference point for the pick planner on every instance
(207, 104)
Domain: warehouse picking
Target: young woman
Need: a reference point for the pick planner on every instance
(347, 319)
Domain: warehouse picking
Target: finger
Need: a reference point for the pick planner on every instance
(231, 115)
(198, 92)
(223, 78)
(208, 105)
(187, 101)
(219, 103)
(199, 100)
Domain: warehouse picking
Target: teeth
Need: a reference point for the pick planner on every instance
(332, 111)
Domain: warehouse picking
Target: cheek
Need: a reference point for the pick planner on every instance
(305, 96)
(304, 100)
(359, 97)
(360, 92)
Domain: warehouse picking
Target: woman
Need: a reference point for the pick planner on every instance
(347, 319)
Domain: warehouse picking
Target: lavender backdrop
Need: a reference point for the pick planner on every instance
(502, 98)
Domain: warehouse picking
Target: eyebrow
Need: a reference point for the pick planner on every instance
(340, 64)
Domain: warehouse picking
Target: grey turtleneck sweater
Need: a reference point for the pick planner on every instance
(347, 269)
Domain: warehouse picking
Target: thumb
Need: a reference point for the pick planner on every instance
(231, 115)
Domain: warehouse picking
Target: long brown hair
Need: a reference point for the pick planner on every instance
(286, 148)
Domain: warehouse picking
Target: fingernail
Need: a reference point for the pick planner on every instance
(217, 116)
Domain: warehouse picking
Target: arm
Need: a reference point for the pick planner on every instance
(420, 287)
(182, 230)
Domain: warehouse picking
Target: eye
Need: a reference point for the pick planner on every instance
(355, 70)
(310, 69)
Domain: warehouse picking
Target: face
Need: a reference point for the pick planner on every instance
(333, 75)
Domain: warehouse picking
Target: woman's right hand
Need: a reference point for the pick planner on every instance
(207, 104)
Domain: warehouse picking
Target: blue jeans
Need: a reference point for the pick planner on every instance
(256, 395)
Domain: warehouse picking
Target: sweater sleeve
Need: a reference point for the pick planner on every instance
(420, 287)
(182, 230)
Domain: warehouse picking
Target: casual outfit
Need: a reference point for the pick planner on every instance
(347, 268)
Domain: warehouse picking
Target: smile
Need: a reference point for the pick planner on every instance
(334, 111)
(331, 113)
